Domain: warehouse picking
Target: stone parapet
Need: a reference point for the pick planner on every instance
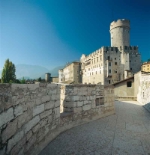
(30, 113)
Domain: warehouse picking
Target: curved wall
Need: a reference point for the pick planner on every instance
(30, 113)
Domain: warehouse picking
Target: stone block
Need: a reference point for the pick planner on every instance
(31, 123)
(31, 141)
(43, 122)
(14, 140)
(38, 109)
(45, 98)
(75, 98)
(57, 112)
(77, 110)
(55, 97)
(16, 148)
(9, 131)
(6, 116)
(30, 104)
(79, 103)
(87, 107)
(49, 119)
(25, 117)
(18, 110)
(57, 103)
(49, 105)
(45, 113)
(32, 86)
(36, 128)
(29, 134)
(38, 101)
(70, 104)
(85, 102)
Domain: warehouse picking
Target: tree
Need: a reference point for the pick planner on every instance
(8, 72)
(23, 81)
(39, 79)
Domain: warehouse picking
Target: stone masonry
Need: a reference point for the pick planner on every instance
(30, 113)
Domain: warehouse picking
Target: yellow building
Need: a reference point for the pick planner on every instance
(146, 67)
(71, 73)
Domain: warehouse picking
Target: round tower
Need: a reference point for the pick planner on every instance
(120, 33)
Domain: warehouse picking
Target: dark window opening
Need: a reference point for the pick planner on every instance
(115, 63)
(109, 81)
(129, 84)
(131, 69)
(109, 63)
(109, 70)
(99, 101)
(108, 57)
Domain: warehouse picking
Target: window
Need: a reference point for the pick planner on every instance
(109, 63)
(131, 69)
(115, 71)
(129, 84)
(109, 81)
(109, 70)
(99, 101)
(108, 57)
(115, 63)
(115, 58)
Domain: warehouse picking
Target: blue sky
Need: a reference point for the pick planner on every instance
(51, 33)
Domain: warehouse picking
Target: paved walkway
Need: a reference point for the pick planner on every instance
(125, 133)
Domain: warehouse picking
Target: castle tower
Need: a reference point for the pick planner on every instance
(120, 33)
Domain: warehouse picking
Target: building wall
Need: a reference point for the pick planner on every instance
(60, 75)
(145, 67)
(30, 113)
(142, 86)
(122, 91)
(71, 73)
(54, 79)
(108, 64)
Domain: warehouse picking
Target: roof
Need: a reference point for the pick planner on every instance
(123, 80)
(145, 63)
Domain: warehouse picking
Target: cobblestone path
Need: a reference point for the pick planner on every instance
(125, 133)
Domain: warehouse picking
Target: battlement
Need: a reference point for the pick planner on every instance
(120, 23)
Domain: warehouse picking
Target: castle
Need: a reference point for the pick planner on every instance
(109, 65)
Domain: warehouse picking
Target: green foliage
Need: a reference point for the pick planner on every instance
(17, 81)
(39, 79)
(23, 81)
(8, 73)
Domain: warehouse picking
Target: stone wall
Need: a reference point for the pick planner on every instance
(30, 114)
(142, 86)
(27, 114)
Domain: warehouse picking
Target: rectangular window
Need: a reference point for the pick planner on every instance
(115, 63)
(109, 81)
(109, 70)
(99, 101)
(108, 57)
(129, 84)
(109, 63)
(115, 71)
